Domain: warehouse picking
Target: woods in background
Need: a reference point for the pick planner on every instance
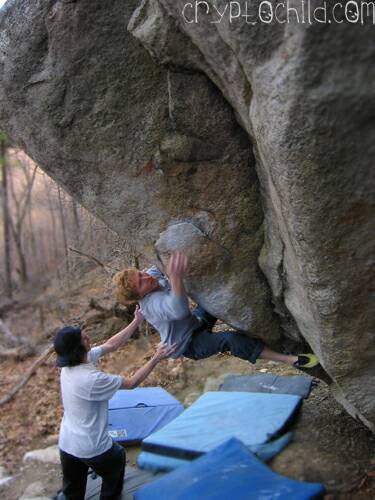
(39, 223)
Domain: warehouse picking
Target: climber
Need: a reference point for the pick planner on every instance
(164, 304)
(84, 440)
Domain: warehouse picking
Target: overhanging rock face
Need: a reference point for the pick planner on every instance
(157, 153)
(305, 95)
(150, 151)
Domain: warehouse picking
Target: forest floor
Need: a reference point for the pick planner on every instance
(328, 445)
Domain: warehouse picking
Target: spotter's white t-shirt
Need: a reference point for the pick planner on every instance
(85, 393)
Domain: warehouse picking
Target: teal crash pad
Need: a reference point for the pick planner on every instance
(253, 418)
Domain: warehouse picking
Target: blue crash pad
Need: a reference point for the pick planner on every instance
(135, 414)
(267, 382)
(253, 418)
(157, 463)
(228, 471)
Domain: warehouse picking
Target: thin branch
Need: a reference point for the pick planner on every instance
(23, 381)
(16, 353)
(108, 270)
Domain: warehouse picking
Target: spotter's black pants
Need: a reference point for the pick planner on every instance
(110, 466)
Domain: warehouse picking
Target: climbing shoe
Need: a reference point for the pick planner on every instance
(306, 361)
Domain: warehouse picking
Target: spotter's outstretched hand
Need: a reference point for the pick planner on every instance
(163, 351)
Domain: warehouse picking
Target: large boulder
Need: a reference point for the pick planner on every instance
(132, 125)
(148, 150)
(305, 94)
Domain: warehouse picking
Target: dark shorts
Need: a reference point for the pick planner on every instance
(204, 344)
(110, 465)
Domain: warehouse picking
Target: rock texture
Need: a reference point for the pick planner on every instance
(143, 147)
(132, 125)
(305, 95)
(46, 455)
(4, 478)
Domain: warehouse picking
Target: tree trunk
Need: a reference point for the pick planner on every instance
(32, 239)
(24, 276)
(51, 210)
(7, 251)
(77, 228)
(63, 228)
(22, 206)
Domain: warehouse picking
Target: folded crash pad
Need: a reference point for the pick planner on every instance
(157, 463)
(228, 471)
(269, 383)
(135, 414)
(254, 418)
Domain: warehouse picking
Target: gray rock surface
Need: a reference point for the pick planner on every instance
(128, 123)
(141, 146)
(50, 455)
(34, 490)
(305, 94)
(5, 479)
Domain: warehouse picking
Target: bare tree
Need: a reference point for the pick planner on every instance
(31, 232)
(77, 224)
(63, 227)
(21, 203)
(43, 222)
(6, 217)
(51, 210)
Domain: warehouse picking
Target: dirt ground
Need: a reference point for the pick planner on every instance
(328, 445)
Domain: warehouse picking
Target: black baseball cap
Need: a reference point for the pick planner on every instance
(66, 342)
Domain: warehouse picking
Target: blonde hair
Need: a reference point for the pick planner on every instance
(126, 283)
